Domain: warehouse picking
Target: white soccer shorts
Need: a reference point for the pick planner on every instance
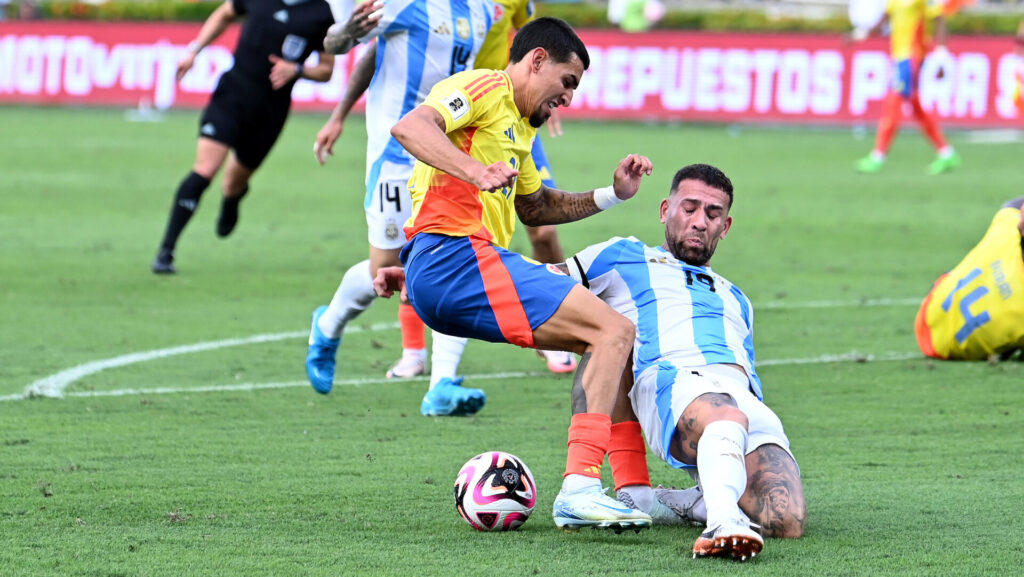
(662, 392)
(388, 205)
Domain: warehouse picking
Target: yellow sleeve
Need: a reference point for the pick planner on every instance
(452, 98)
(523, 15)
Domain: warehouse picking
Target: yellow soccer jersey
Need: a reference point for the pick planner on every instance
(977, 309)
(509, 16)
(910, 22)
(482, 120)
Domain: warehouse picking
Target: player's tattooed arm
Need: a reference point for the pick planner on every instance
(553, 206)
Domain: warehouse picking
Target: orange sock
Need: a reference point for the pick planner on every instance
(892, 112)
(589, 434)
(627, 455)
(929, 124)
(413, 331)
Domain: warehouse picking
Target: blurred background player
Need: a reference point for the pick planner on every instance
(474, 175)
(911, 23)
(696, 393)
(409, 57)
(249, 107)
(976, 310)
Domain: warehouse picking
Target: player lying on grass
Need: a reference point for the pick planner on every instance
(693, 385)
(976, 311)
(696, 393)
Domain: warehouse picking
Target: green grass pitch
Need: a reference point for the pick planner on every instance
(220, 460)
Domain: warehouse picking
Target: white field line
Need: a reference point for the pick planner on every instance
(54, 385)
(852, 356)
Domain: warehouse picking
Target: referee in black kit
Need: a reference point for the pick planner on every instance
(248, 109)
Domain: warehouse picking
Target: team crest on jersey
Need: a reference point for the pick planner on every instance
(293, 47)
(391, 231)
(499, 12)
(462, 28)
(554, 269)
(457, 104)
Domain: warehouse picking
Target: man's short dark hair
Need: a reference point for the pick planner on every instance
(705, 173)
(553, 35)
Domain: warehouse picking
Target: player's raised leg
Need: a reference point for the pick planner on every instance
(583, 323)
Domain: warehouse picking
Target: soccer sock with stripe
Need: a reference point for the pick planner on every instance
(186, 200)
(354, 294)
(589, 435)
(721, 464)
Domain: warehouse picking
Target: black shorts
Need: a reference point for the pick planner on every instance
(245, 118)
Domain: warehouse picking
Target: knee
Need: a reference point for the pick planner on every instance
(542, 234)
(620, 333)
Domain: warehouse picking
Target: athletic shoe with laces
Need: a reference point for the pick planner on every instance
(870, 164)
(660, 514)
(943, 164)
(591, 507)
(681, 502)
(407, 367)
(559, 361)
(321, 356)
(448, 398)
(732, 538)
(163, 263)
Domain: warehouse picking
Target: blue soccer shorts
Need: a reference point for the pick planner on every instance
(468, 287)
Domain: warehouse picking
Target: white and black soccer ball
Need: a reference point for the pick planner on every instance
(495, 491)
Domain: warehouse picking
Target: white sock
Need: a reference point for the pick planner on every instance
(721, 463)
(420, 354)
(878, 155)
(575, 482)
(946, 151)
(642, 495)
(446, 352)
(354, 294)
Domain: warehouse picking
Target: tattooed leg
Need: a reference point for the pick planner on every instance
(775, 494)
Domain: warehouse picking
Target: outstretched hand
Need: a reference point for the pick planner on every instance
(629, 173)
(388, 280)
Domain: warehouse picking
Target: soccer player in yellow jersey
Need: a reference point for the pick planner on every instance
(509, 16)
(976, 310)
(474, 175)
(910, 22)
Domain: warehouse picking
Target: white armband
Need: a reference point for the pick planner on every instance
(605, 198)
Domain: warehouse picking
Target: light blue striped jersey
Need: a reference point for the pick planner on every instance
(687, 315)
(419, 42)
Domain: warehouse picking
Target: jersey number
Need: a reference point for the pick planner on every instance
(460, 56)
(972, 322)
(701, 278)
(507, 191)
(389, 194)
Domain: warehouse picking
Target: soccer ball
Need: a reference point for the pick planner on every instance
(495, 491)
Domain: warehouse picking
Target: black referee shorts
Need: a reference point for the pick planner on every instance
(244, 117)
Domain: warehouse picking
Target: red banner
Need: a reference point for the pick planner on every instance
(665, 75)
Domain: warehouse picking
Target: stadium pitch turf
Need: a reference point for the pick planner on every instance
(187, 442)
